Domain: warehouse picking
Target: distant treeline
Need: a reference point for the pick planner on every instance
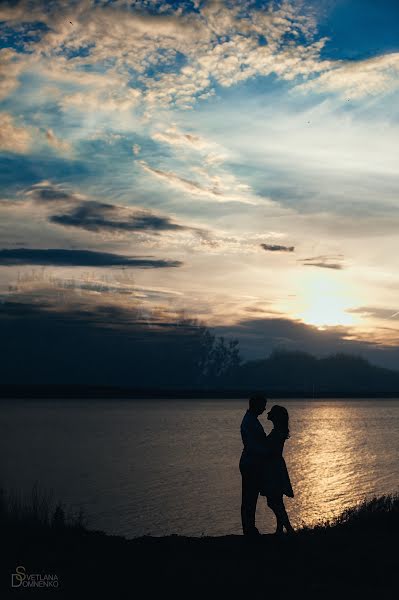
(281, 375)
(301, 374)
(107, 354)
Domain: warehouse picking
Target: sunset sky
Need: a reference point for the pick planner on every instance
(236, 162)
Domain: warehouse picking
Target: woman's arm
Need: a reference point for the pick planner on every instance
(275, 444)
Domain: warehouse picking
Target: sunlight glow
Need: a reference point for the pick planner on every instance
(325, 300)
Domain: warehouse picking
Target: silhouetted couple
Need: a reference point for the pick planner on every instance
(262, 466)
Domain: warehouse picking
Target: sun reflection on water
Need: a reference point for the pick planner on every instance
(330, 461)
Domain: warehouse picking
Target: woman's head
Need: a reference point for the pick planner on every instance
(278, 415)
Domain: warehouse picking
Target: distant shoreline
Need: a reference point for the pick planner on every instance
(82, 392)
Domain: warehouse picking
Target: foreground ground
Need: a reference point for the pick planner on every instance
(355, 557)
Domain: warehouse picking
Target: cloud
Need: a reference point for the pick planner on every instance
(91, 215)
(277, 248)
(324, 262)
(323, 265)
(234, 53)
(62, 257)
(13, 138)
(372, 76)
(16, 12)
(123, 346)
(186, 185)
(174, 137)
(45, 192)
(105, 288)
(11, 65)
(112, 51)
(211, 154)
(99, 342)
(57, 143)
(217, 44)
(98, 216)
(195, 188)
(19, 140)
(375, 311)
(102, 100)
(259, 336)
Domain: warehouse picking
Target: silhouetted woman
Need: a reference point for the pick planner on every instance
(276, 481)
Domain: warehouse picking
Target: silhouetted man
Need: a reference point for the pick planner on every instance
(253, 456)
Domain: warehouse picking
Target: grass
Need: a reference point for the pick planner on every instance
(37, 510)
(374, 512)
(352, 556)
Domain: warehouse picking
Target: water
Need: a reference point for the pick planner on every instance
(161, 467)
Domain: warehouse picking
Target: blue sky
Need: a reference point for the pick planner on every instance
(359, 29)
(252, 145)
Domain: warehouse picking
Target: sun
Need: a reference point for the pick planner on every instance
(327, 312)
(325, 301)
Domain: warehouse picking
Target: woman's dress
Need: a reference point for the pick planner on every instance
(275, 481)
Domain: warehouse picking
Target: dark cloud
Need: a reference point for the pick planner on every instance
(62, 257)
(324, 262)
(259, 336)
(48, 342)
(322, 265)
(105, 345)
(48, 194)
(98, 216)
(277, 248)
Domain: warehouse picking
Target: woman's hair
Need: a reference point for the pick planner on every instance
(279, 417)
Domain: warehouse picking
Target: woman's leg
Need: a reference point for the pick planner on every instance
(277, 506)
(284, 517)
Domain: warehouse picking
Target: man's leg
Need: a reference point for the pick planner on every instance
(273, 503)
(250, 493)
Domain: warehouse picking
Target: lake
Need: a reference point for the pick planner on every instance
(162, 466)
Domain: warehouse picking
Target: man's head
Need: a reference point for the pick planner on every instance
(257, 403)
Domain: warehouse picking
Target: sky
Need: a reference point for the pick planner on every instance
(232, 162)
